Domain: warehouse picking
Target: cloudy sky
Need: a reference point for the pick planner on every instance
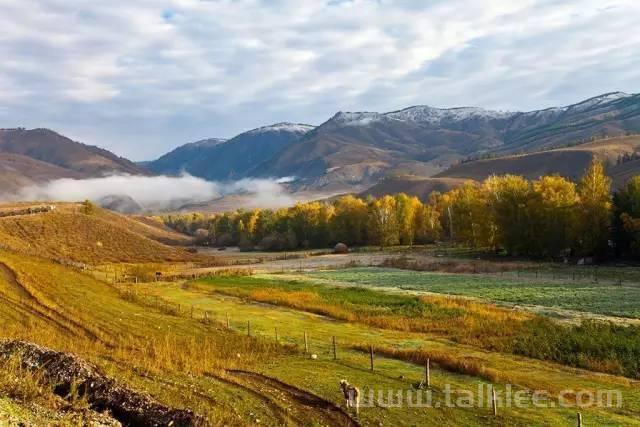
(140, 77)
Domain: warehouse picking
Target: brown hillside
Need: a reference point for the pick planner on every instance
(51, 147)
(17, 171)
(413, 185)
(569, 162)
(67, 234)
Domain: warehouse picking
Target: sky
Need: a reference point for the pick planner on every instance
(142, 77)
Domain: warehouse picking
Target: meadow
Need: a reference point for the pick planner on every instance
(399, 361)
(604, 347)
(583, 294)
(231, 346)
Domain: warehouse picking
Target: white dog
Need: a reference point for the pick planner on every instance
(351, 395)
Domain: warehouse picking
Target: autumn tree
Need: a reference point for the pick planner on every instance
(383, 222)
(626, 219)
(427, 224)
(594, 215)
(406, 210)
(553, 206)
(508, 205)
(349, 224)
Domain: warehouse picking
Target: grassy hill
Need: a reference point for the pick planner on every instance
(103, 236)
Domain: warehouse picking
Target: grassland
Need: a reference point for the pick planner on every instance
(522, 373)
(155, 337)
(609, 298)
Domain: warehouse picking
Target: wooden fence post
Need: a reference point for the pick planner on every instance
(428, 372)
(494, 403)
(371, 356)
(579, 419)
(306, 343)
(335, 356)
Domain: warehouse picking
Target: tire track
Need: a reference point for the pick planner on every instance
(44, 311)
(307, 406)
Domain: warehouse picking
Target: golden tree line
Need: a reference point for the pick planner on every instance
(547, 217)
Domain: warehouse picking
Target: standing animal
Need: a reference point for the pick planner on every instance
(351, 395)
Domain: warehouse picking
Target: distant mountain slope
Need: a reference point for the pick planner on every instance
(51, 147)
(232, 159)
(420, 187)
(17, 171)
(569, 162)
(180, 159)
(355, 149)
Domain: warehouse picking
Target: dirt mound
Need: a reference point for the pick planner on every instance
(103, 394)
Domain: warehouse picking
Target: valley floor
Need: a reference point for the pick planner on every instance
(171, 340)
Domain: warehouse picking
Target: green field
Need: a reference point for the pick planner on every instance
(321, 375)
(586, 296)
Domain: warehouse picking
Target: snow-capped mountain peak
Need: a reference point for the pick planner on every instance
(283, 127)
(599, 100)
(420, 114)
(426, 114)
(209, 142)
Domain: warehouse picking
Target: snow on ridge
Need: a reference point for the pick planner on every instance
(356, 118)
(598, 100)
(435, 116)
(284, 126)
(208, 142)
(419, 114)
(424, 113)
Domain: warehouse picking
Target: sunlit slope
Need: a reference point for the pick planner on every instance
(69, 234)
(569, 162)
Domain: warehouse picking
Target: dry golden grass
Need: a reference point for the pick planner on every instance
(446, 361)
(68, 234)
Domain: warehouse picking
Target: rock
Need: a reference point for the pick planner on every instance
(341, 248)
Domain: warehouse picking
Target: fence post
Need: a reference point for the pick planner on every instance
(371, 356)
(248, 328)
(494, 403)
(306, 343)
(335, 357)
(192, 312)
(428, 372)
(579, 419)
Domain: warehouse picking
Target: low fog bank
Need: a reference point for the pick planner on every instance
(129, 193)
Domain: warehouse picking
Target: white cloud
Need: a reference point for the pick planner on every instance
(139, 77)
(156, 192)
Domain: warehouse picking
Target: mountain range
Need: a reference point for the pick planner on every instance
(353, 151)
